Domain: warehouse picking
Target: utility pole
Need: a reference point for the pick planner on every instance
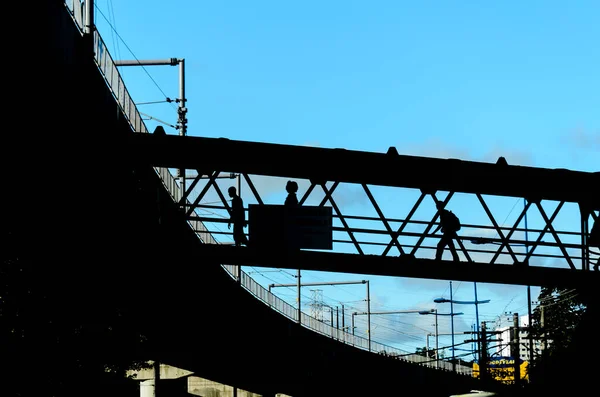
(515, 349)
(483, 372)
(529, 312)
(156, 369)
(437, 347)
(299, 297)
(343, 325)
(452, 329)
(544, 342)
(337, 323)
(476, 315)
(89, 17)
(369, 313)
(331, 320)
(331, 323)
(182, 109)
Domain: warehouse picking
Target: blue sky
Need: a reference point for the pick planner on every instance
(462, 79)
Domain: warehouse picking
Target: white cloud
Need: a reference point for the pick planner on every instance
(512, 156)
(437, 148)
(582, 139)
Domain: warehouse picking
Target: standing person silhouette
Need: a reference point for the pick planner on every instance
(292, 188)
(290, 221)
(594, 240)
(450, 224)
(238, 218)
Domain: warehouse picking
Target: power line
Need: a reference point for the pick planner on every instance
(114, 30)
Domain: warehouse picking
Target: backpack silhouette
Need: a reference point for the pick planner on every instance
(452, 222)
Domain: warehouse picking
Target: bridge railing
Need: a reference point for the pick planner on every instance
(77, 10)
(115, 83)
(483, 248)
(108, 68)
(340, 335)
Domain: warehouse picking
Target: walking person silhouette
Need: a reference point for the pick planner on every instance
(450, 224)
(238, 218)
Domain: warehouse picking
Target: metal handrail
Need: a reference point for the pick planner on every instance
(117, 86)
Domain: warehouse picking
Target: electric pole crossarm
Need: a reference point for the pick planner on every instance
(389, 312)
(316, 284)
(136, 62)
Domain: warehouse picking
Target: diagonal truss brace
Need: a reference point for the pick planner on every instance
(503, 239)
(404, 223)
(395, 241)
(431, 223)
(543, 232)
(393, 235)
(555, 235)
(328, 197)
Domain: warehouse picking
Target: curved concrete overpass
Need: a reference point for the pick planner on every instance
(195, 315)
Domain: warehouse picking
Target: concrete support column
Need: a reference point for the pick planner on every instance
(147, 388)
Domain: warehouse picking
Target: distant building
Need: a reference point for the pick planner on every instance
(503, 348)
(501, 361)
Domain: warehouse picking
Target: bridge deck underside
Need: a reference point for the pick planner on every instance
(402, 266)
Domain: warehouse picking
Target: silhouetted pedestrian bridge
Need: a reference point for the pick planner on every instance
(561, 206)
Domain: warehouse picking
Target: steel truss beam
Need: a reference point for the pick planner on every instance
(505, 241)
(383, 169)
(430, 175)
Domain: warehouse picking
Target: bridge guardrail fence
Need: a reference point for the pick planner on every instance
(116, 84)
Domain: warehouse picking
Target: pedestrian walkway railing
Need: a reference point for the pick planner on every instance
(117, 86)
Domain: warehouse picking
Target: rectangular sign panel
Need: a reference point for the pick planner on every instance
(290, 227)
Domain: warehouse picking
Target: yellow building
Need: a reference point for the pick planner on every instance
(503, 369)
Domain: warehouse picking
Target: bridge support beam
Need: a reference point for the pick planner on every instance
(402, 266)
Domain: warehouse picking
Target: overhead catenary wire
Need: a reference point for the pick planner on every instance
(116, 33)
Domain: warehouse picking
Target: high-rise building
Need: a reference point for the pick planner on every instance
(506, 335)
